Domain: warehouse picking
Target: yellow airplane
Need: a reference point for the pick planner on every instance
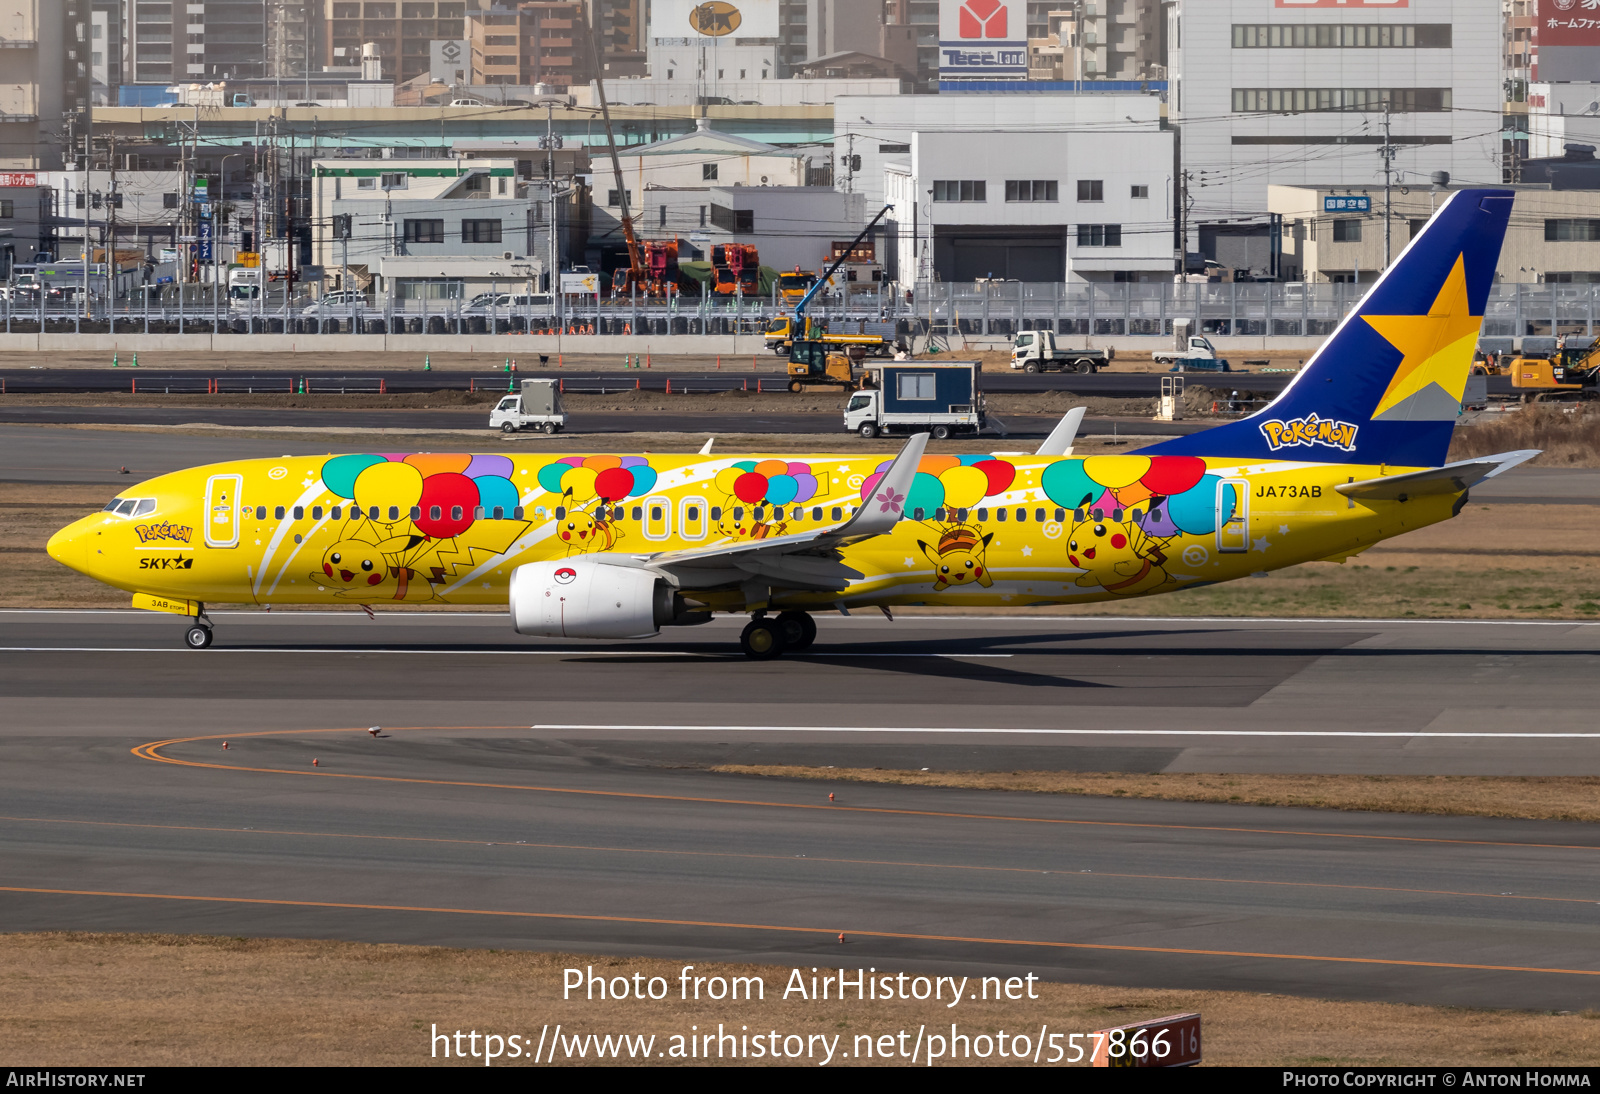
(606, 546)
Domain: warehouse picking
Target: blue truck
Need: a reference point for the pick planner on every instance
(942, 399)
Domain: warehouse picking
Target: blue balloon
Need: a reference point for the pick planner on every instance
(1195, 510)
(927, 494)
(1066, 484)
(974, 457)
(496, 490)
(782, 489)
(644, 481)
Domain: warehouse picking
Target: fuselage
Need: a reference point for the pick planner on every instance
(414, 528)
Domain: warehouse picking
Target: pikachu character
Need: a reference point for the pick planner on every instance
(358, 570)
(1115, 553)
(583, 532)
(959, 558)
(740, 525)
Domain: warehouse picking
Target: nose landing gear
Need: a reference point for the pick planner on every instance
(198, 636)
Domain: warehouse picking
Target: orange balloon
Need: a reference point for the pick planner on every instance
(432, 463)
(602, 463)
(938, 465)
(770, 468)
(1132, 495)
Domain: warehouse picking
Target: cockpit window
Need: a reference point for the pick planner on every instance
(130, 507)
(127, 506)
(145, 508)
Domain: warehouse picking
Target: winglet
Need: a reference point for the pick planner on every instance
(883, 508)
(1059, 443)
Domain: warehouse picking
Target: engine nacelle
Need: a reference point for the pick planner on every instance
(589, 597)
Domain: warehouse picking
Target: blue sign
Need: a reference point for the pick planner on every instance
(205, 241)
(986, 59)
(1348, 203)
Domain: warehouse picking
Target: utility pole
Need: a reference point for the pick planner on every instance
(1387, 152)
(1182, 215)
(88, 165)
(111, 227)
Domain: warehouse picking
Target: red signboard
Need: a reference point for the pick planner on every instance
(1568, 23)
(1347, 4)
(18, 178)
(1173, 1041)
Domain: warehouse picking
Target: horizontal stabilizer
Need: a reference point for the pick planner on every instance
(1059, 443)
(1452, 478)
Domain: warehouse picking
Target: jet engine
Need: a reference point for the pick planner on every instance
(589, 597)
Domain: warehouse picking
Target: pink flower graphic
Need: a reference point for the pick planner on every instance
(891, 501)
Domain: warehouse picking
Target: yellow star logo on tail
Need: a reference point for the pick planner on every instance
(1437, 347)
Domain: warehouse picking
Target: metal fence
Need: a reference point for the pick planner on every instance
(1000, 309)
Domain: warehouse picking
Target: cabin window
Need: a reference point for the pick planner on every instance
(261, 512)
(316, 512)
(1077, 515)
(917, 514)
(434, 512)
(961, 516)
(816, 512)
(999, 514)
(759, 513)
(538, 511)
(455, 512)
(561, 512)
(1038, 515)
(655, 512)
(1061, 515)
(338, 513)
(373, 512)
(716, 512)
(394, 513)
(638, 512)
(277, 513)
(477, 512)
(838, 514)
(299, 512)
(516, 514)
(983, 514)
(738, 512)
(1155, 514)
(938, 514)
(499, 512)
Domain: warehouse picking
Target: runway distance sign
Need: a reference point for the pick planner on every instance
(1173, 1041)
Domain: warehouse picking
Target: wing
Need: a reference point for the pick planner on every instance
(1452, 478)
(802, 560)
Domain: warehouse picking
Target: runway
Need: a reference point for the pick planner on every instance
(543, 794)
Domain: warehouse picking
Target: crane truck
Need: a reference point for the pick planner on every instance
(809, 359)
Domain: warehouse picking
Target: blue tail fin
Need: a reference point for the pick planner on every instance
(1386, 388)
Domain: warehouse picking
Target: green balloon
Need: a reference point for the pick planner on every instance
(927, 494)
(339, 474)
(1066, 484)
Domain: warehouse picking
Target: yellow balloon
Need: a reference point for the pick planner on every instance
(964, 487)
(580, 480)
(1116, 471)
(727, 477)
(386, 484)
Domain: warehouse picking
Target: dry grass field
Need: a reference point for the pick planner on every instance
(132, 1001)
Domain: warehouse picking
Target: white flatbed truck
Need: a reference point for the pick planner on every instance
(919, 397)
(538, 407)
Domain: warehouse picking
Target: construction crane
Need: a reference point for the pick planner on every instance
(809, 359)
(636, 276)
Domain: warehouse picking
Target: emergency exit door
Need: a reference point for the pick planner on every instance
(222, 510)
(1233, 516)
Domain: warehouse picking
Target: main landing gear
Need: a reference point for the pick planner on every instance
(198, 637)
(764, 639)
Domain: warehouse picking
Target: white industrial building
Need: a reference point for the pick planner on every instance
(1266, 93)
(1091, 205)
(878, 128)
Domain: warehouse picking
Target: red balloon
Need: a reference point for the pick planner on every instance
(750, 487)
(1173, 474)
(449, 491)
(1000, 475)
(614, 483)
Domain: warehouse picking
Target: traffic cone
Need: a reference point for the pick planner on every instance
(511, 385)
(841, 938)
(302, 390)
(224, 745)
(427, 363)
(830, 795)
(513, 364)
(313, 763)
(508, 365)
(135, 361)
(113, 359)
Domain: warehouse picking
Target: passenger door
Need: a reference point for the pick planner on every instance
(1233, 516)
(222, 510)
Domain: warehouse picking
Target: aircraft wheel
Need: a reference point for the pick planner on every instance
(508, 427)
(868, 430)
(762, 640)
(551, 428)
(799, 630)
(197, 637)
(940, 432)
(794, 386)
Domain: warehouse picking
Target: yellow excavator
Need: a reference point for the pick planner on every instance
(1564, 373)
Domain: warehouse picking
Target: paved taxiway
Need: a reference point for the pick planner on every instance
(562, 805)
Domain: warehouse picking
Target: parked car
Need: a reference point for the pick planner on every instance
(507, 304)
(337, 303)
(467, 102)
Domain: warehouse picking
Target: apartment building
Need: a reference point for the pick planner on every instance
(539, 42)
(402, 30)
(45, 58)
(182, 40)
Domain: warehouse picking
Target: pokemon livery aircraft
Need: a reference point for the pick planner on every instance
(605, 546)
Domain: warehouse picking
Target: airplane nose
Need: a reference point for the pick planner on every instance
(66, 547)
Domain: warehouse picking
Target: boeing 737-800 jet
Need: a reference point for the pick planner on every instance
(606, 546)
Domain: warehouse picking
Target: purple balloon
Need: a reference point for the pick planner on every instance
(499, 466)
(635, 461)
(808, 486)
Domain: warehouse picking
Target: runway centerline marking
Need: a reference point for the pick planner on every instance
(1489, 734)
(435, 651)
(151, 751)
(782, 929)
(1059, 872)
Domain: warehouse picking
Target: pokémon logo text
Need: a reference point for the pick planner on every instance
(1310, 430)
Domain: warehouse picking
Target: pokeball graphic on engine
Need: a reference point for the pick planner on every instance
(566, 575)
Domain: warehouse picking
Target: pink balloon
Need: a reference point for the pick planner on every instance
(869, 483)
